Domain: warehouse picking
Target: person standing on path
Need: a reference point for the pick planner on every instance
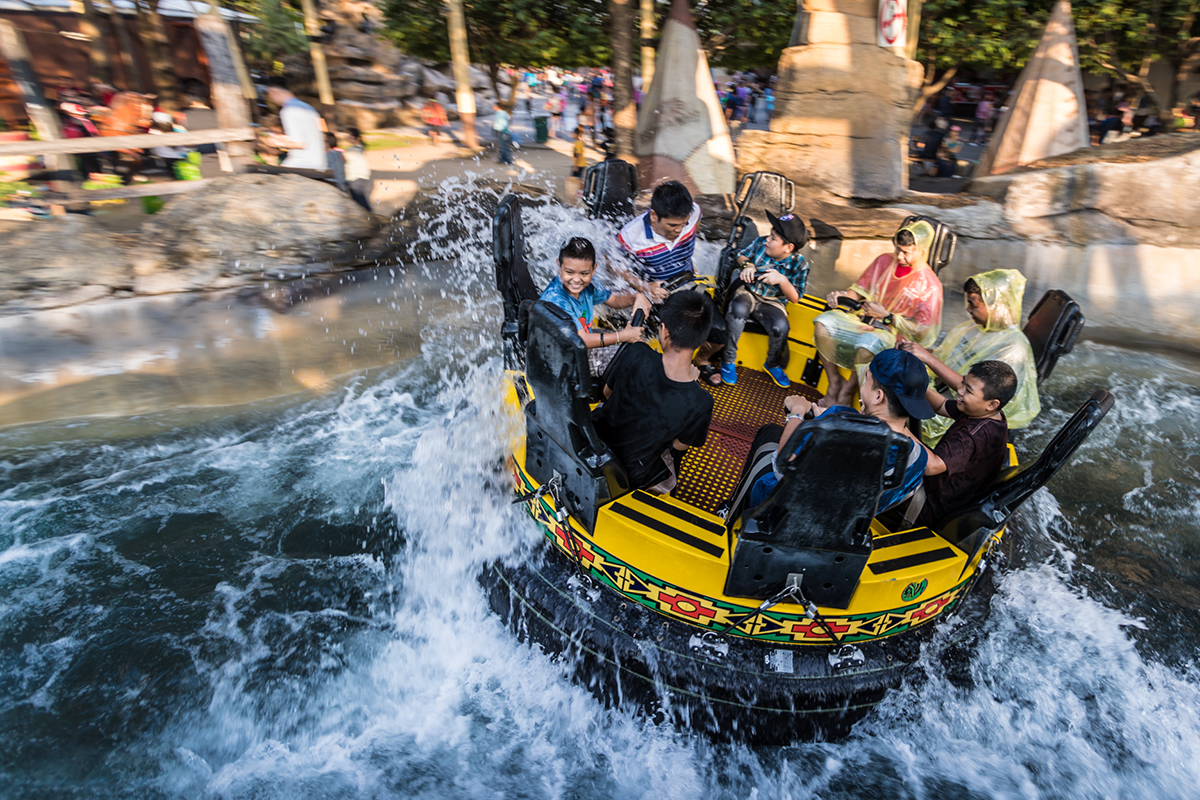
(500, 124)
(358, 169)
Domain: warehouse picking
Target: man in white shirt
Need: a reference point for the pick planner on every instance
(303, 133)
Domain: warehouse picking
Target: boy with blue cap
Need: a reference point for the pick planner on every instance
(893, 390)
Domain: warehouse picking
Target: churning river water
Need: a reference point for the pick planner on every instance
(276, 597)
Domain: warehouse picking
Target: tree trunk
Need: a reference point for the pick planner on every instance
(463, 94)
(648, 30)
(226, 89)
(913, 28)
(162, 69)
(625, 112)
(316, 51)
(99, 70)
(930, 89)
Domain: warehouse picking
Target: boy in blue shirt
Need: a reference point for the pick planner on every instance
(573, 291)
(773, 272)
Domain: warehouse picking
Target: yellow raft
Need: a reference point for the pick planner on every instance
(790, 619)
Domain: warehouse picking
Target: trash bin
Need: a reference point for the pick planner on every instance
(541, 127)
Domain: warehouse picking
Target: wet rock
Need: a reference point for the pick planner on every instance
(433, 81)
(243, 226)
(60, 261)
(1103, 202)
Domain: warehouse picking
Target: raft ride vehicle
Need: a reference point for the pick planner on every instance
(787, 620)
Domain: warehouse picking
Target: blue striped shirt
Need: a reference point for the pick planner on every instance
(657, 258)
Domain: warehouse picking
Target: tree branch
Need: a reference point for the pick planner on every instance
(935, 87)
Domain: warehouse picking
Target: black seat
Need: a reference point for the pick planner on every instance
(971, 528)
(944, 241)
(1053, 328)
(559, 436)
(758, 193)
(818, 519)
(513, 280)
(609, 188)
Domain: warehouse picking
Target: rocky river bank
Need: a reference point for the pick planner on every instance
(1115, 230)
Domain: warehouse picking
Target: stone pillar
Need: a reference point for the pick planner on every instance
(1047, 115)
(681, 131)
(843, 105)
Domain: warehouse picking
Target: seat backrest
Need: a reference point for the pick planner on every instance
(744, 232)
(1053, 328)
(559, 434)
(513, 280)
(818, 519)
(757, 193)
(969, 529)
(944, 241)
(609, 188)
(760, 192)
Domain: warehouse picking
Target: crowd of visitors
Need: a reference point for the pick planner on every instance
(293, 137)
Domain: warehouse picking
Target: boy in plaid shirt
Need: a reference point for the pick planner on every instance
(773, 272)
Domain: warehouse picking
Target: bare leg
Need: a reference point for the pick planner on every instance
(836, 381)
(849, 388)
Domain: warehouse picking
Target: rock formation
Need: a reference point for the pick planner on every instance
(1047, 115)
(374, 84)
(228, 233)
(843, 107)
(681, 132)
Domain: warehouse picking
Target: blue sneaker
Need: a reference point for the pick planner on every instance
(777, 375)
(729, 374)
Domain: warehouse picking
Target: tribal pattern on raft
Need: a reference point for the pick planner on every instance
(717, 615)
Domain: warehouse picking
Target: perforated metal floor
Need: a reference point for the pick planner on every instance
(709, 474)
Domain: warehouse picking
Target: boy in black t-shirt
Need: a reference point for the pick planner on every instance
(972, 453)
(653, 409)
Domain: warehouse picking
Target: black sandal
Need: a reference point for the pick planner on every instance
(707, 371)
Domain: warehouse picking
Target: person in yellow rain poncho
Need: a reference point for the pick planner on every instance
(901, 298)
(993, 333)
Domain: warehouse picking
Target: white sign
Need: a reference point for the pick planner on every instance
(893, 23)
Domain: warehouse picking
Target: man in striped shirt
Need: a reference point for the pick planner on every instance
(662, 242)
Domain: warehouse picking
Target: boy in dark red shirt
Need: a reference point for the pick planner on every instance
(972, 453)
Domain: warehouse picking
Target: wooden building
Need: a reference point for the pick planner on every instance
(59, 49)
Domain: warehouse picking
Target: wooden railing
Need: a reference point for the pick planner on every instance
(137, 141)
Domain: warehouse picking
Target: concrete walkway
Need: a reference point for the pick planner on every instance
(399, 173)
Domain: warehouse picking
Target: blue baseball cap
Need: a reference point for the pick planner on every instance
(905, 376)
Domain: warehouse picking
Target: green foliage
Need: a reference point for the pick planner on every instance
(980, 34)
(744, 34)
(1119, 38)
(737, 34)
(532, 33)
(279, 32)
(1116, 37)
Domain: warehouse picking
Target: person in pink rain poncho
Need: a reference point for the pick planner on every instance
(901, 299)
